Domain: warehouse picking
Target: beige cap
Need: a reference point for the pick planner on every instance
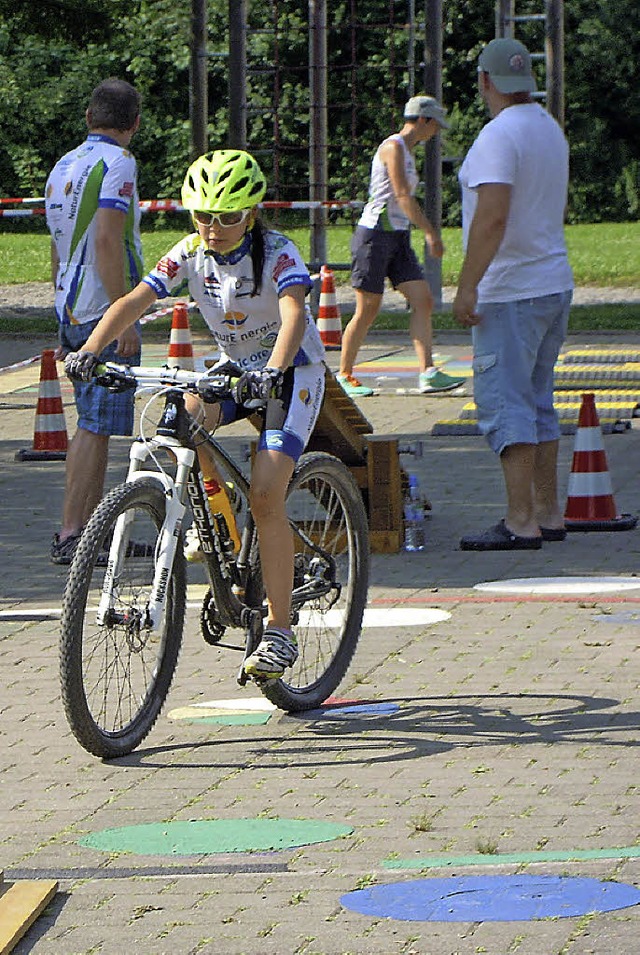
(428, 107)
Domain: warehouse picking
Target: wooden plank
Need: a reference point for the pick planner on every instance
(20, 905)
(341, 426)
(385, 490)
(385, 542)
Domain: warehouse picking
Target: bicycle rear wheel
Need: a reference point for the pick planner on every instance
(115, 675)
(331, 579)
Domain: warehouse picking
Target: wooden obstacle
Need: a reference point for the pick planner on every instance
(343, 430)
(20, 905)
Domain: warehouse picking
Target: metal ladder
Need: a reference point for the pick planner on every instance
(552, 18)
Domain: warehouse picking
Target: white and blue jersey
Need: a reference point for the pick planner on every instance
(245, 326)
(98, 174)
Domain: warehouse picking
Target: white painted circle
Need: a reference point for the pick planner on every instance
(560, 585)
(237, 707)
(378, 617)
(253, 703)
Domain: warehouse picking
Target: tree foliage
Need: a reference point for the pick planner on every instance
(50, 62)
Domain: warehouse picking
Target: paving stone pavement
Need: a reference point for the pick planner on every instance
(516, 731)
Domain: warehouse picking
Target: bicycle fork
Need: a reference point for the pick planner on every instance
(167, 539)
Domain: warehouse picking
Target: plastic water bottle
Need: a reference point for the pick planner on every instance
(415, 536)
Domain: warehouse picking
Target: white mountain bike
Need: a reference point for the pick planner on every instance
(124, 602)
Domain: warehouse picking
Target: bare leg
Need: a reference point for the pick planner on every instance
(367, 308)
(418, 295)
(84, 483)
(518, 461)
(545, 485)
(270, 477)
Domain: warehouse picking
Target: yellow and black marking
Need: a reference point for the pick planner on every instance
(601, 356)
(457, 427)
(595, 376)
(20, 905)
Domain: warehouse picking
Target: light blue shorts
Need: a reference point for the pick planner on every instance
(515, 349)
(99, 410)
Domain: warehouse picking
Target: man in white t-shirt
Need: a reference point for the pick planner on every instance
(514, 292)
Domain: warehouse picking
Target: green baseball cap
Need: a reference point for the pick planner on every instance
(508, 63)
(428, 107)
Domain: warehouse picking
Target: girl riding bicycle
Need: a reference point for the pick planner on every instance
(250, 285)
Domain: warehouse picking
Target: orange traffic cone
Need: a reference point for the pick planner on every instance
(590, 504)
(180, 345)
(329, 324)
(50, 429)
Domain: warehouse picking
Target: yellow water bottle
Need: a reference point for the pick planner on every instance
(220, 504)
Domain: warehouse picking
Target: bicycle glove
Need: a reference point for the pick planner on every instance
(80, 365)
(255, 387)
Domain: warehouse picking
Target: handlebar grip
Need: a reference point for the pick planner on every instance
(114, 379)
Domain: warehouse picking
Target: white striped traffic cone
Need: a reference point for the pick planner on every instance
(180, 345)
(50, 430)
(329, 324)
(590, 504)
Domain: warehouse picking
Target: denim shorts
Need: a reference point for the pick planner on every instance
(99, 410)
(515, 349)
(376, 254)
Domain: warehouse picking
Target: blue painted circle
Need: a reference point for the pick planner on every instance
(331, 711)
(491, 898)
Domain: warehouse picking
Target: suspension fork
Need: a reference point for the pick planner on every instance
(166, 544)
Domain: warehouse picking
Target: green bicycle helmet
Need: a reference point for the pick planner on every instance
(223, 181)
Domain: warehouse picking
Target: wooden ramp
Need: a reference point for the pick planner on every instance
(20, 905)
(342, 430)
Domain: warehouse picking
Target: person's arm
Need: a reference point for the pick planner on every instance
(294, 319)
(109, 246)
(392, 156)
(485, 236)
(119, 317)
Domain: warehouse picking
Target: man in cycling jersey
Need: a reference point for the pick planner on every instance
(93, 216)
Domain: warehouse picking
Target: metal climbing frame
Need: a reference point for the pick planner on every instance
(314, 63)
(549, 14)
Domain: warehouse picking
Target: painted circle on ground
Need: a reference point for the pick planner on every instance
(560, 585)
(384, 617)
(491, 898)
(250, 711)
(211, 836)
(350, 710)
(628, 617)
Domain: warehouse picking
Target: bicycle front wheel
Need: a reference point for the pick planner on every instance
(331, 579)
(116, 674)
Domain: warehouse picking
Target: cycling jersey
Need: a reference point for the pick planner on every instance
(245, 327)
(98, 174)
(383, 211)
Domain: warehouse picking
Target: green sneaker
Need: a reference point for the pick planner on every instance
(353, 387)
(438, 381)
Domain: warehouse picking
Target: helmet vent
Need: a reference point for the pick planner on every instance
(240, 184)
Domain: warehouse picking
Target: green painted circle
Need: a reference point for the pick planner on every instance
(207, 836)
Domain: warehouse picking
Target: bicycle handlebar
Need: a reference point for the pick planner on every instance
(208, 386)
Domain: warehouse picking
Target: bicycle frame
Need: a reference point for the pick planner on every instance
(175, 434)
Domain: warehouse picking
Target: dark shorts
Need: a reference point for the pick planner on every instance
(99, 410)
(287, 422)
(376, 255)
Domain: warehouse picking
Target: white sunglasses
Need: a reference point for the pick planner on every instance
(224, 219)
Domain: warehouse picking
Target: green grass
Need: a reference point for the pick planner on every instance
(583, 318)
(601, 254)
